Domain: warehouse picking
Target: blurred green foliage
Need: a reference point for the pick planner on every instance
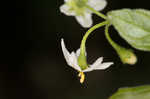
(140, 92)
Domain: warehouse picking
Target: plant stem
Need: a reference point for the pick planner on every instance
(114, 45)
(126, 55)
(88, 33)
(96, 12)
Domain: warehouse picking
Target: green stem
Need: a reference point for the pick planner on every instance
(96, 12)
(126, 55)
(82, 57)
(114, 45)
(88, 33)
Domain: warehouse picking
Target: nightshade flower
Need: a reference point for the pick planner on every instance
(72, 60)
(79, 9)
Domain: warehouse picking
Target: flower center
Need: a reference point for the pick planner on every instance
(81, 3)
(78, 6)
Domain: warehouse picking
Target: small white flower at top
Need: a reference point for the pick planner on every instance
(72, 60)
(78, 8)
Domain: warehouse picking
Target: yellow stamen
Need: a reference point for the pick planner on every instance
(82, 75)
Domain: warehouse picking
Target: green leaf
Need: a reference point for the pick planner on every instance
(140, 92)
(133, 26)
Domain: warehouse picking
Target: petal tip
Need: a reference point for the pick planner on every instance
(62, 42)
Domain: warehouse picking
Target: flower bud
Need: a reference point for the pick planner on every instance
(127, 56)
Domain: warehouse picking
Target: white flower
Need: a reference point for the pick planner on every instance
(72, 60)
(78, 9)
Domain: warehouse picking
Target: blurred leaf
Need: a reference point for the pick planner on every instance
(133, 26)
(140, 92)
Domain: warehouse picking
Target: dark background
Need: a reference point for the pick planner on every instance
(32, 65)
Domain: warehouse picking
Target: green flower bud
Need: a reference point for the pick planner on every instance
(126, 55)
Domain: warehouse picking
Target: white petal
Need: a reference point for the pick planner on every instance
(97, 62)
(74, 61)
(71, 59)
(94, 65)
(98, 65)
(88, 69)
(65, 52)
(66, 10)
(104, 65)
(85, 20)
(67, 0)
(78, 52)
(97, 4)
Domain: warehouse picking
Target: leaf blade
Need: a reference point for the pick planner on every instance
(133, 26)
